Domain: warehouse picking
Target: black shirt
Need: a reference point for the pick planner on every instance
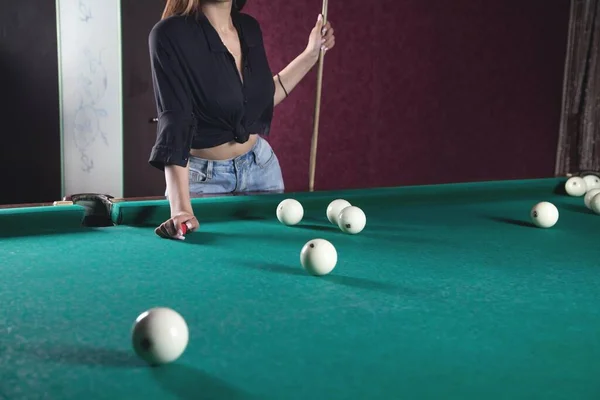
(201, 100)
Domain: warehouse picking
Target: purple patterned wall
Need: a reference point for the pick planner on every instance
(420, 92)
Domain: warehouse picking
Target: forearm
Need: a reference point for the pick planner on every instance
(292, 75)
(178, 188)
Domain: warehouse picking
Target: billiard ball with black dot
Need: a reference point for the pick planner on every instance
(352, 220)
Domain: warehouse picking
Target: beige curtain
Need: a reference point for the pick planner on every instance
(579, 139)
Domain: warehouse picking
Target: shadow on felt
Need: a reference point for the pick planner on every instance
(315, 227)
(83, 355)
(206, 237)
(186, 382)
(512, 221)
(275, 268)
(342, 280)
(313, 224)
(582, 209)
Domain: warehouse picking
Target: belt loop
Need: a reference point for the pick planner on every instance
(209, 169)
(256, 148)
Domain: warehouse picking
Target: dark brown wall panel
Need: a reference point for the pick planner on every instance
(29, 111)
(138, 18)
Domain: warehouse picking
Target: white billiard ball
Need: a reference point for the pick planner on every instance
(160, 336)
(544, 214)
(334, 209)
(290, 212)
(589, 196)
(352, 220)
(595, 203)
(575, 186)
(591, 182)
(318, 257)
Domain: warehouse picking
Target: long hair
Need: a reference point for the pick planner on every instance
(189, 7)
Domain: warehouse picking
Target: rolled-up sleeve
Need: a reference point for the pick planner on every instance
(173, 101)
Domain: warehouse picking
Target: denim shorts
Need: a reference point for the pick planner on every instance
(256, 171)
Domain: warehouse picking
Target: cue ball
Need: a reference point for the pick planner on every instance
(352, 220)
(334, 209)
(595, 203)
(318, 257)
(160, 335)
(544, 214)
(290, 212)
(591, 182)
(589, 196)
(575, 186)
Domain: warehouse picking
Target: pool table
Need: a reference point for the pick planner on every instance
(449, 293)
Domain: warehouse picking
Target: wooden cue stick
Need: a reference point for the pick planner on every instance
(315, 137)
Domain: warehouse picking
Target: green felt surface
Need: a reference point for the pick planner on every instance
(456, 300)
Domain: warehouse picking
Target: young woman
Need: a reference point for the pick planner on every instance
(215, 95)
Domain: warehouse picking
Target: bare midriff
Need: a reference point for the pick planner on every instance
(226, 151)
